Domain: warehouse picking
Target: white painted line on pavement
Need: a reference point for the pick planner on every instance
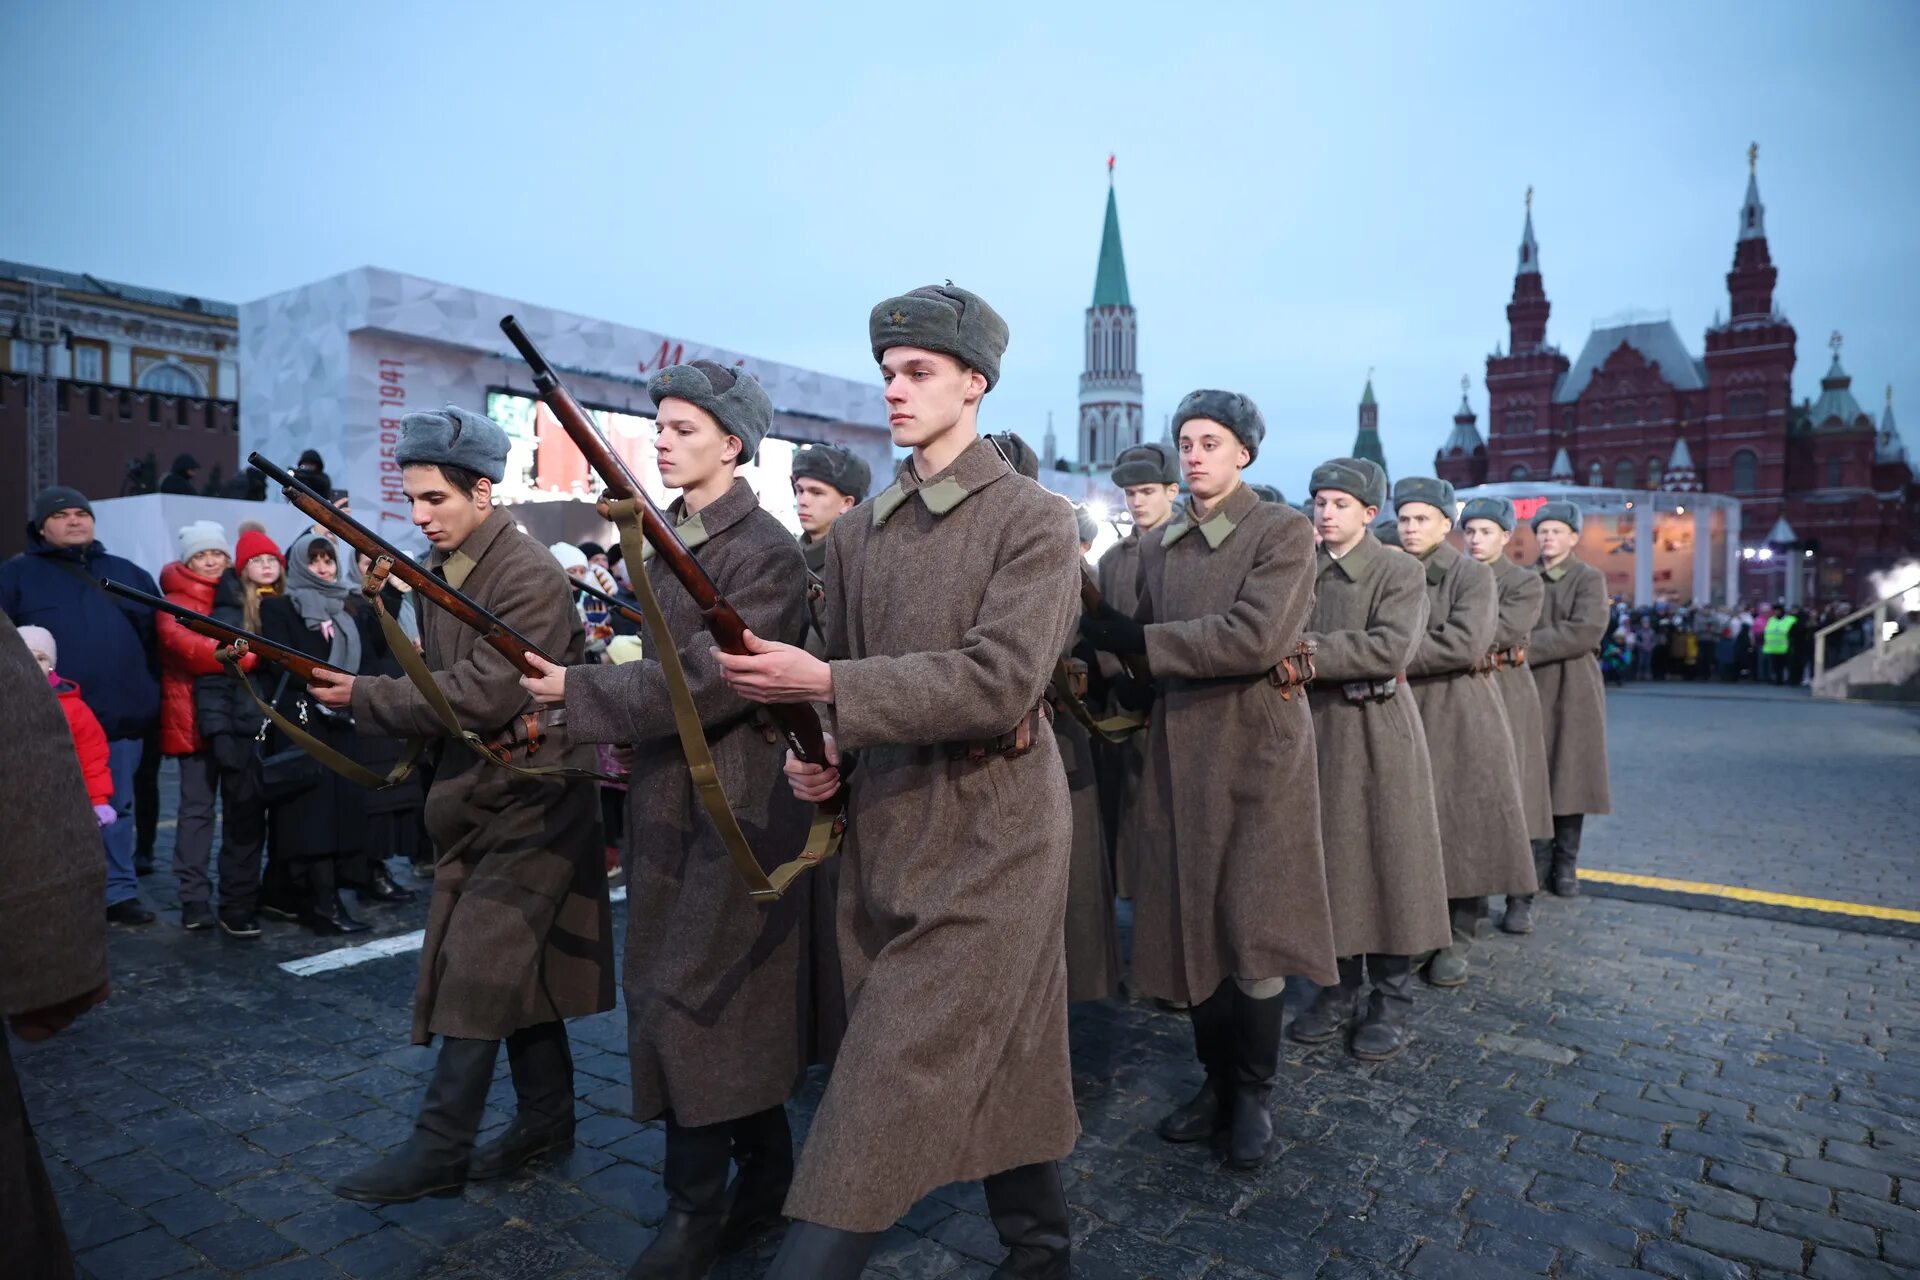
(378, 949)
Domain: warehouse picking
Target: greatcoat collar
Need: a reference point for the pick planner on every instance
(1219, 523)
(978, 466)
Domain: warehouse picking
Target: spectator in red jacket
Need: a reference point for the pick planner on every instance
(89, 739)
(193, 581)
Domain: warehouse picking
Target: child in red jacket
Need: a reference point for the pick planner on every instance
(89, 739)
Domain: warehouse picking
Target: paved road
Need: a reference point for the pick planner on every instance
(1635, 1089)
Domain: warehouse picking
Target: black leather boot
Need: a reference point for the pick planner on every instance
(542, 1064)
(763, 1150)
(1029, 1210)
(1519, 916)
(1448, 968)
(1566, 854)
(1384, 1032)
(813, 1252)
(382, 888)
(1256, 1056)
(326, 914)
(1333, 1008)
(695, 1176)
(1210, 1110)
(433, 1161)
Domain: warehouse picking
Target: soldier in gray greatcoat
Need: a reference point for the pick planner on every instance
(1488, 524)
(1093, 932)
(717, 1009)
(518, 933)
(1231, 897)
(1386, 880)
(1148, 477)
(1483, 824)
(951, 596)
(828, 482)
(1564, 655)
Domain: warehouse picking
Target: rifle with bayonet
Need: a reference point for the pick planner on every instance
(510, 644)
(241, 641)
(625, 502)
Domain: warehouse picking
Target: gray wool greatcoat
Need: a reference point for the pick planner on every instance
(1573, 699)
(1476, 784)
(1121, 764)
(518, 932)
(1520, 598)
(949, 600)
(1386, 879)
(829, 999)
(1231, 882)
(716, 984)
(1093, 933)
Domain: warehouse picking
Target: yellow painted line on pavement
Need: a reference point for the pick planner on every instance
(1740, 894)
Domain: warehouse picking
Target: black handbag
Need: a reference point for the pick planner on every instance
(287, 771)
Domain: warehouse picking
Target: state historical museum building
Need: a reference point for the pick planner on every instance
(1636, 400)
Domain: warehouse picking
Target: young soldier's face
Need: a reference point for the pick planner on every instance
(1150, 504)
(1340, 518)
(691, 447)
(1211, 457)
(927, 393)
(819, 504)
(440, 511)
(1556, 539)
(1422, 528)
(1486, 541)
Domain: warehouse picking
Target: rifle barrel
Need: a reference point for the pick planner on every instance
(301, 664)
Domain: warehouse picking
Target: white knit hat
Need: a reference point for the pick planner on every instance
(40, 640)
(569, 556)
(202, 535)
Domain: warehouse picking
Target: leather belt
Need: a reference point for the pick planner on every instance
(1010, 745)
(1295, 671)
(529, 729)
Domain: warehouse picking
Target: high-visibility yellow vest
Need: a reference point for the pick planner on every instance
(1778, 628)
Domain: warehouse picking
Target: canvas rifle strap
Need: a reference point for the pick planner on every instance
(350, 769)
(1116, 728)
(417, 671)
(823, 839)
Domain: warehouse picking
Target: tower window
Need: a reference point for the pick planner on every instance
(1596, 476)
(1654, 473)
(1623, 474)
(1834, 473)
(1745, 466)
(1519, 473)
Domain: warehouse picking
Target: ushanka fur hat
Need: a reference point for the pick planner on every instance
(453, 437)
(832, 465)
(1018, 453)
(735, 399)
(1228, 408)
(1435, 493)
(1149, 463)
(943, 318)
(1566, 513)
(1361, 477)
(1498, 510)
(1269, 494)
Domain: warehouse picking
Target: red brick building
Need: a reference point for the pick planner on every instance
(117, 372)
(1614, 417)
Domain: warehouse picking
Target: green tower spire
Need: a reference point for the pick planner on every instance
(1366, 441)
(1110, 281)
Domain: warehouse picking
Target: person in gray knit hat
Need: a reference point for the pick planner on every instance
(519, 937)
(1488, 524)
(952, 594)
(1386, 880)
(1563, 654)
(1483, 824)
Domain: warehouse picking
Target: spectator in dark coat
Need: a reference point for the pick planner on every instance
(106, 647)
(186, 469)
(53, 945)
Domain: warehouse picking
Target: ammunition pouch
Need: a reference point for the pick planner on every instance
(1295, 671)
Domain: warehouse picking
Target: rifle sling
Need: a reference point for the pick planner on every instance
(823, 837)
(1113, 729)
(348, 768)
(417, 671)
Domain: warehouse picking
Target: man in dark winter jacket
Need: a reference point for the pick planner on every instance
(106, 647)
(186, 468)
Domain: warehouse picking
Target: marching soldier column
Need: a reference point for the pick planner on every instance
(1564, 655)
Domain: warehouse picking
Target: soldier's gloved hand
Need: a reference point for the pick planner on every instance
(1134, 695)
(1113, 631)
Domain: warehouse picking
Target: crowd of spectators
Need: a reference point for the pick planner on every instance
(1765, 642)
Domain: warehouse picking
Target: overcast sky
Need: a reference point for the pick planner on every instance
(1305, 192)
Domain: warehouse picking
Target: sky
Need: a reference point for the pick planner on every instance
(1306, 192)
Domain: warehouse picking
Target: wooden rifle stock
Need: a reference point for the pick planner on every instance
(301, 665)
(796, 721)
(510, 644)
(1091, 602)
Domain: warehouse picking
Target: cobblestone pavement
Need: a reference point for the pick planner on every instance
(1635, 1089)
